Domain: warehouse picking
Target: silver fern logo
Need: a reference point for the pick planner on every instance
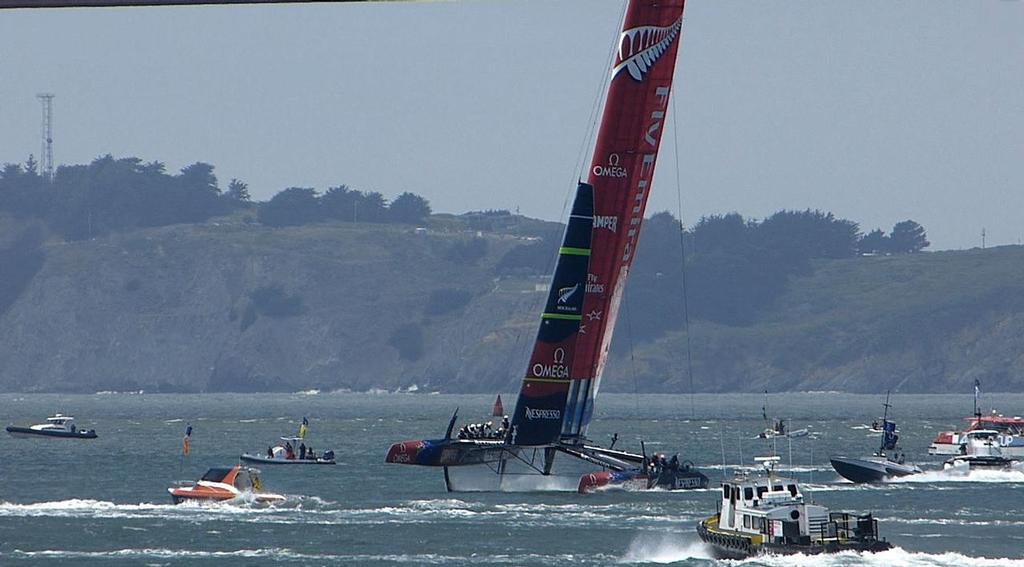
(565, 293)
(641, 47)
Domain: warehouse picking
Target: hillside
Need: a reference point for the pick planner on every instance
(233, 306)
(914, 323)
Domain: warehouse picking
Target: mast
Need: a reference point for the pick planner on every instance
(885, 421)
(621, 173)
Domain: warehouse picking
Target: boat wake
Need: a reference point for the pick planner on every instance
(896, 557)
(666, 549)
(957, 475)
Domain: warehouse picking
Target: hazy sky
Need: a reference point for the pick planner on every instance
(877, 111)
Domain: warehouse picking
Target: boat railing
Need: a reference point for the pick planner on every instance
(845, 526)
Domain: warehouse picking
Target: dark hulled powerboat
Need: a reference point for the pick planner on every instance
(876, 468)
(58, 426)
(887, 462)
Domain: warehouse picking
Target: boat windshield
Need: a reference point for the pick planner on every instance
(216, 474)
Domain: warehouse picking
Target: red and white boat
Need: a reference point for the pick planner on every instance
(1010, 435)
(221, 484)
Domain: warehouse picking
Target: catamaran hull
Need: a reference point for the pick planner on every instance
(637, 480)
(447, 452)
(730, 545)
(870, 470)
(265, 461)
(16, 431)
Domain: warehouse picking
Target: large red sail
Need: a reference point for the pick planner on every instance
(621, 173)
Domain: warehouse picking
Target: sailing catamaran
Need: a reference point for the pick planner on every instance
(556, 400)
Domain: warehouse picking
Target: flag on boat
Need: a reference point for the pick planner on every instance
(303, 428)
(186, 440)
(889, 437)
(498, 410)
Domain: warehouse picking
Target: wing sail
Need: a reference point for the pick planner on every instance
(621, 174)
(540, 409)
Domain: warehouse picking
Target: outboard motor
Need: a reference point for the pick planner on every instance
(328, 455)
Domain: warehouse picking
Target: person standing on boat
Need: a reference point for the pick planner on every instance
(302, 451)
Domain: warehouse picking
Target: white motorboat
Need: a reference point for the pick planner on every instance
(1010, 435)
(981, 450)
(59, 426)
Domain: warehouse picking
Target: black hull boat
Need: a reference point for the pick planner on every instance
(871, 470)
(735, 546)
(16, 431)
(769, 516)
(884, 464)
(58, 426)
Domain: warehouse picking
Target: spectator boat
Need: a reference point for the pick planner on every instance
(888, 462)
(221, 484)
(60, 426)
(767, 515)
(290, 451)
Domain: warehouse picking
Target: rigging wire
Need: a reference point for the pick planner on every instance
(586, 142)
(682, 257)
(632, 366)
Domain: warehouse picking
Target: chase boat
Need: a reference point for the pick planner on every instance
(284, 453)
(768, 516)
(1010, 430)
(220, 484)
(887, 462)
(1009, 433)
(61, 426)
(982, 450)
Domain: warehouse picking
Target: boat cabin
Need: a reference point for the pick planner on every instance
(982, 443)
(772, 510)
(58, 421)
(242, 478)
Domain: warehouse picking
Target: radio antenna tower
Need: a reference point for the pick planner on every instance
(46, 155)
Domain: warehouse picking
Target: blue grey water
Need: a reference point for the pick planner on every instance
(104, 502)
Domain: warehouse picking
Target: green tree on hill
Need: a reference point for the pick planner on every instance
(874, 242)
(291, 207)
(238, 191)
(810, 234)
(371, 207)
(908, 237)
(340, 203)
(409, 208)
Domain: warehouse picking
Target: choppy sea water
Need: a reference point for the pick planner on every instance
(104, 502)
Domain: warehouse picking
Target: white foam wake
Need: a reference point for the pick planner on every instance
(664, 548)
(958, 475)
(896, 557)
(669, 548)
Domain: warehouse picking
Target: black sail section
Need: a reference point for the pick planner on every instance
(540, 408)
